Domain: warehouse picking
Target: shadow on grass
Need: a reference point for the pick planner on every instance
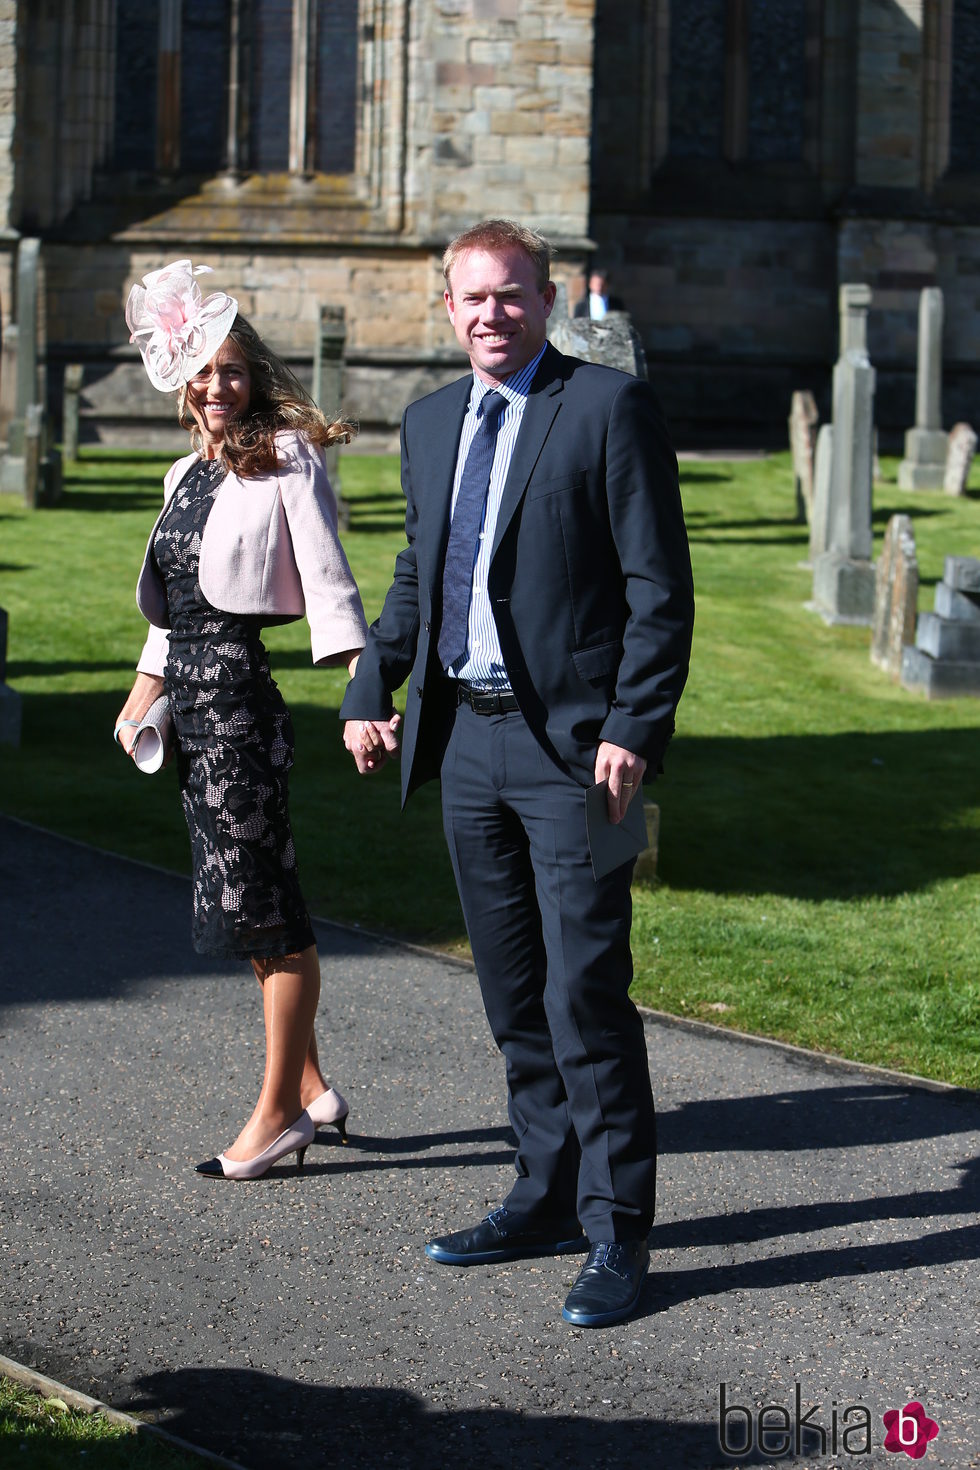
(378, 527)
(707, 537)
(49, 668)
(823, 816)
(702, 477)
(121, 498)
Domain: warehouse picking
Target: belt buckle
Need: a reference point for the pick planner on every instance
(480, 701)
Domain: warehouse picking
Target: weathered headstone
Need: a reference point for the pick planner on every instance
(8, 380)
(924, 464)
(945, 659)
(12, 471)
(74, 373)
(613, 341)
(28, 261)
(843, 575)
(32, 454)
(960, 450)
(328, 388)
(27, 466)
(896, 596)
(803, 419)
(823, 463)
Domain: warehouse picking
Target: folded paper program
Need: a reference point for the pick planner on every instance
(154, 736)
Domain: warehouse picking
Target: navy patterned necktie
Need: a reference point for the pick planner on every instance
(464, 533)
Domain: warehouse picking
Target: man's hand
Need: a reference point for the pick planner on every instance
(372, 742)
(624, 772)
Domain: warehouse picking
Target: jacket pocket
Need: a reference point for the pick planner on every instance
(600, 662)
(558, 484)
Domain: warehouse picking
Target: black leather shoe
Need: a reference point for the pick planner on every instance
(506, 1236)
(609, 1284)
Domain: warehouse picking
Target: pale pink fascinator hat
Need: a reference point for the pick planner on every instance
(176, 329)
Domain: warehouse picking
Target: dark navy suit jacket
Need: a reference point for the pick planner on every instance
(590, 576)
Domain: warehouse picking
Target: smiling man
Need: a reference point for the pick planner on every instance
(542, 612)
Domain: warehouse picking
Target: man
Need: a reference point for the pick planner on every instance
(597, 300)
(542, 612)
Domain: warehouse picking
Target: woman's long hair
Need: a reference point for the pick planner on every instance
(277, 401)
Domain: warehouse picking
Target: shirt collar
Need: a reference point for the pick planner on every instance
(514, 388)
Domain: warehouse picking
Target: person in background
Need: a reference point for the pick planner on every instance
(542, 613)
(247, 537)
(597, 299)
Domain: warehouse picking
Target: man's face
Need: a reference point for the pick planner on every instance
(498, 310)
(597, 283)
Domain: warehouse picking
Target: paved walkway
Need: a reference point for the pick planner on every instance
(817, 1225)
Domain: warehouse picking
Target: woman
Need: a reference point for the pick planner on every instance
(247, 537)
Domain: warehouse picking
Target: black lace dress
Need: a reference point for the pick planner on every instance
(235, 749)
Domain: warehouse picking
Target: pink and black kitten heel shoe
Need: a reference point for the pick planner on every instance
(330, 1110)
(294, 1139)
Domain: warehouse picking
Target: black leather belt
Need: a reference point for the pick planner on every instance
(486, 701)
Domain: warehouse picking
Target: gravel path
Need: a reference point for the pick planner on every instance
(817, 1229)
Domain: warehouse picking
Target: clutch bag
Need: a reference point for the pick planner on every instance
(154, 738)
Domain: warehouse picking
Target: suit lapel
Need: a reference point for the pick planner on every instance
(542, 405)
(435, 492)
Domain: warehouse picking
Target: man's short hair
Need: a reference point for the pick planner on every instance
(498, 234)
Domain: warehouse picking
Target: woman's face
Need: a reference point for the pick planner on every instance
(220, 392)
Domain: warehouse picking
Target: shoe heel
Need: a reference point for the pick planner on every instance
(301, 1157)
(341, 1126)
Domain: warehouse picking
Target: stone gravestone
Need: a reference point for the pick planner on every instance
(613, 341)
(74, 374)
(12, 472)
(803, 418)
(959, 456)
(896, 596)
(945, 660)
(328, 389)
(823, 461)
(924, 464)
(9, 698)
(19, 473)
(843, 575)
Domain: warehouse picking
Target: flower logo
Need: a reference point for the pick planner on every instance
(909, 1429)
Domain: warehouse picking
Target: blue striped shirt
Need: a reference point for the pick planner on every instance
(483, 662)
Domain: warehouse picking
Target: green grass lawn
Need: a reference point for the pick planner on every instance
(45, 1434)
(819, 825)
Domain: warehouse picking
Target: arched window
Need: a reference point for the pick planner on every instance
(253, 86)
(711, 103)
(738, 79)
(964, 131)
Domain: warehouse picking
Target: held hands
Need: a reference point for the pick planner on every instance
(372, 742)
(624, 772)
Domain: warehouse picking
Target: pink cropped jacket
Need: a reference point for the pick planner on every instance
(270, 546)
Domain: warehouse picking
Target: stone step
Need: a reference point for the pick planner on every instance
(962, 573)
(939, 678)
(946, 639)
(963, 606)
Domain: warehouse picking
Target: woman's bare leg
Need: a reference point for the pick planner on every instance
(313, 1082)
(290, 993)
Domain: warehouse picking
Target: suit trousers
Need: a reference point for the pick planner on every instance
(552, 953)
